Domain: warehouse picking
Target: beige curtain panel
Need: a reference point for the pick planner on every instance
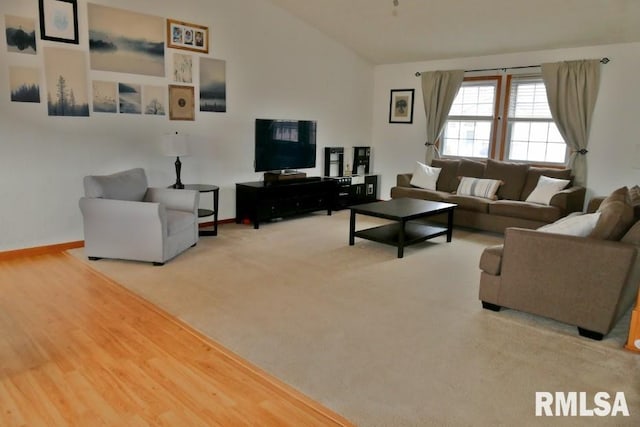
(572, 89)
(439, 89)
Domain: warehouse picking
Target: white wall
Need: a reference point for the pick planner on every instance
(612, 159)
(277, 67)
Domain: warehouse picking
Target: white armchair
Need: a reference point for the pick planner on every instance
(125, 219)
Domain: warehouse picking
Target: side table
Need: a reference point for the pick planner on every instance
(206, 188)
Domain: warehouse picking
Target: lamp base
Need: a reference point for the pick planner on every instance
(179, 186)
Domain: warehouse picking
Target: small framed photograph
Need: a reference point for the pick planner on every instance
(182, 35)
(401, 106)
(59, 20)
(181, 102)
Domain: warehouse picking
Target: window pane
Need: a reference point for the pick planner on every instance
(556, 152)
(520, 131)
(537, 152)
(474, 100)
(554, 134)
(539, 132)
(483, 131)
(518, 151)
(467, 138)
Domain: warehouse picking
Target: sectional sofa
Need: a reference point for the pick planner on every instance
(509, 208)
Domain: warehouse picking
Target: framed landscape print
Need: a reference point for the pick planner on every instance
(401, 106)
(181, 102)
(21, 34)
(182, 35)
(66, 82)
(125, 42)
(213, 85)
(59, 20)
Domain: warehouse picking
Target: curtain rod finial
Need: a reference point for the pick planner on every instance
(418, 73)
(605, 60)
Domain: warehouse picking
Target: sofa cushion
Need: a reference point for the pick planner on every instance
(616, 216)
(470, 203)
(471, 168)
(534, 174)
(425, 176)
(575, 224)
(448, 178)
(491, 259)
(525, 210)
(513, 176)
(128, 185)
(545, 190)
(478, 187)
(419, 193)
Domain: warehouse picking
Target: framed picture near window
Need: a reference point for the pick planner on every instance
(181, 102)
(182, 35)
(59, 20)
(401, 106)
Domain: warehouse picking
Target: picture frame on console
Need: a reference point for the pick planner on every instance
(401, 106)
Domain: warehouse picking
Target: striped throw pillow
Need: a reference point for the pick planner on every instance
(478, 187)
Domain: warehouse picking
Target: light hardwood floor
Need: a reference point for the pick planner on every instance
(79, 349)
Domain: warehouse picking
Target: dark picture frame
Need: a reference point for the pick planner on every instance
(183, 35)
(181, 102)
(59, 20)
(401, 106)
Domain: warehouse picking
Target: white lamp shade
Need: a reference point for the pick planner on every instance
(175, 144)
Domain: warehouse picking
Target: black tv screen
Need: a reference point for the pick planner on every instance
(285, 144)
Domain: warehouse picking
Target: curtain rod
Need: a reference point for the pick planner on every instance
(604, 60)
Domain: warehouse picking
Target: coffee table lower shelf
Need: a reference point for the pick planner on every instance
(390, 234)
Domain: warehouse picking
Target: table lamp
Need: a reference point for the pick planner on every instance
(175, 145)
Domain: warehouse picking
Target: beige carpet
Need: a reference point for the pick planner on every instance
(383, 341)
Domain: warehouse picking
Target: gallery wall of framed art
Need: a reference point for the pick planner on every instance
(170, 55)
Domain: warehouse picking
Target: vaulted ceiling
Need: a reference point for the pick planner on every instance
(421, 30)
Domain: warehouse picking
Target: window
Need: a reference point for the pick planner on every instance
(527, 134)
(531, 134)
(470, 126)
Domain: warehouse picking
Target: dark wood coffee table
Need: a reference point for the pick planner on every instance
(402, 232)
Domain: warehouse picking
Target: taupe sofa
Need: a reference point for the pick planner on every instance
(510, 209)
(588, 282)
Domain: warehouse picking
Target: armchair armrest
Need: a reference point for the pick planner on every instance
(124, 229)
(404, 179)
(584, 282)
(182, 200)
(569, 200)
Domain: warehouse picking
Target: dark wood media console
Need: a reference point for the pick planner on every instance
(259, 201)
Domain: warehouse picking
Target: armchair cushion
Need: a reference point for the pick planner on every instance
(616, 216)
(127, 185)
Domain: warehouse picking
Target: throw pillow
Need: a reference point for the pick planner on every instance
(448, 178)
(576, 224)
(425, 176)
(545, 189)
(478, 187)
(534, 175)
(616, 216)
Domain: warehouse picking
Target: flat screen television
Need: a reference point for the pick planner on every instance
(282, 145)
